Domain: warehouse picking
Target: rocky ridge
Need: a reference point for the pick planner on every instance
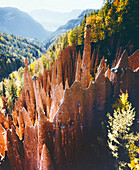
(54, 119)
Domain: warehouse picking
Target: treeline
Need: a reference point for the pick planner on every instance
(14, 50)
(118, 16)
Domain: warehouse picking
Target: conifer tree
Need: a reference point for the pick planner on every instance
(11, 93)
(65, 40)
(3, 90)
(82, 29)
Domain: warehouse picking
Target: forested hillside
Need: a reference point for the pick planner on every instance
(14, 50)
(118, 16)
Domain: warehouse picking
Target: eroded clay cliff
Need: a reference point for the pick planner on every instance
(52, 121)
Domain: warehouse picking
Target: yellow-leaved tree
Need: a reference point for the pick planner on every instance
(122, 141)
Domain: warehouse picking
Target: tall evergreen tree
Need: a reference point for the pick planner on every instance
(11, 93)
(3, 90)
(82, 27)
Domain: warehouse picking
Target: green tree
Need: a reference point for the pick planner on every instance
(11, 93)
(82, 27)
(65, 41)
(130, 16)
(73, 36)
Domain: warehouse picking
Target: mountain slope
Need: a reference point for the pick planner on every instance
(64, 28)
(14, 50)
(20, 23)
(51, 20)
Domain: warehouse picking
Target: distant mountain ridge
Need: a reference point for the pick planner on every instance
(51, 20)
(19, 23)
(68, 26)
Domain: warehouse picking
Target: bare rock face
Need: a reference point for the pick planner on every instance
(102, 90)
(59, 71)
(123, 61)
(15, 150)
(134, 60)
(78, 69)
(100, 67)
(54, 75)
(46, 163)
(45, 75)
(85, 77)
(56, 100)
(3, 141)
(3, 121)
(54, 119)
(108, 73)
(117, 57)
(69, 109)
(30, 147)
(44, 133)
(92, 61)
(122, 77)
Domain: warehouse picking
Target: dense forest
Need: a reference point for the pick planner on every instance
(14, 50)
(118, 16)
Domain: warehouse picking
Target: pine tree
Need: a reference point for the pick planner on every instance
(82, 27)
(65, 41)
(3, 90)
(11, 93)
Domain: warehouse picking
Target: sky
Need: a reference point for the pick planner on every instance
(52, 5)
